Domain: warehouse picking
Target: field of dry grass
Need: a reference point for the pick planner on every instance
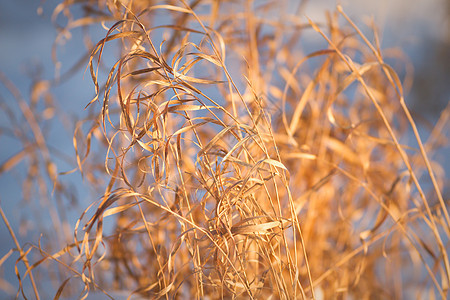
(231, 162)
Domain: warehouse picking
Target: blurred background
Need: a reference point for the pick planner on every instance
(420, 28)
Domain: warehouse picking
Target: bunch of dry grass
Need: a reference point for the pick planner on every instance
(238, 166)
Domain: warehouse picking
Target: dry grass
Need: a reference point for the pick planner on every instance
(235, 165)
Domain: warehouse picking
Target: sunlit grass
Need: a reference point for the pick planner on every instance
(231, 163)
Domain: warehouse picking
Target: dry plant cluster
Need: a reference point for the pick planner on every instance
(231, 162)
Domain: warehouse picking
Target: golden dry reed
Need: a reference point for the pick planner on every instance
(231, 162)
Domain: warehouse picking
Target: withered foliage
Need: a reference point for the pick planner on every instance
(235, 163)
